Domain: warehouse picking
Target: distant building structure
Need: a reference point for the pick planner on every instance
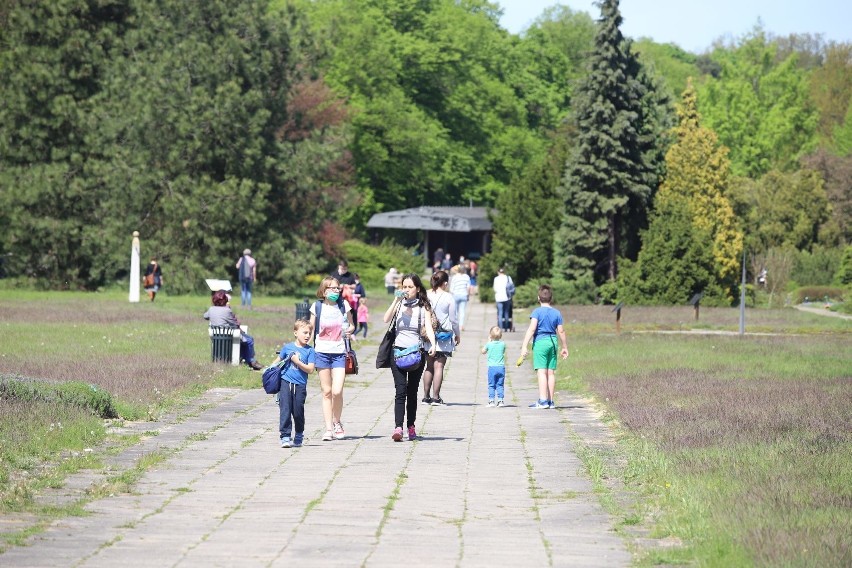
(460, 231)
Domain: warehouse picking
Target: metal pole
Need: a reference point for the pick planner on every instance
(743, 297)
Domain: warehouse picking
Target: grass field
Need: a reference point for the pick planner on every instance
(738, 448)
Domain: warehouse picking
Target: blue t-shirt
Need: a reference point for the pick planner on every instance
(294, 374)
(548, 320)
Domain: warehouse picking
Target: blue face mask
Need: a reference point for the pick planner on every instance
(333, 296)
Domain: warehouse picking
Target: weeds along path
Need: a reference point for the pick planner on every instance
(481, 486)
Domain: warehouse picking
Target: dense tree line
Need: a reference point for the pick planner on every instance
(283, 125)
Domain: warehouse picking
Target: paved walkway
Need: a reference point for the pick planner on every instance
(481, 487)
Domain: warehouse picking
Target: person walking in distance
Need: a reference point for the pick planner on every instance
(411, 315)
(545, 327)
(247, 270)
(460, 290)
(152, 280)
(331, 320)
(363, 317)
(501, 297)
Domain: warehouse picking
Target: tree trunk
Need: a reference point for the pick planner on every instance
(612, 241)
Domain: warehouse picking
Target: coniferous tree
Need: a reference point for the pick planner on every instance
(698, 169)
(608, 177)
(526, 214)
(693, 243)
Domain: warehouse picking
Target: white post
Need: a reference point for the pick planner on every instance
(134, 268)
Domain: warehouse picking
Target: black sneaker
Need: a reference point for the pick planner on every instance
(437, 401)
(426, 400)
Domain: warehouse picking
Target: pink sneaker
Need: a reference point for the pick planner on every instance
(397, 434)
(412, 434)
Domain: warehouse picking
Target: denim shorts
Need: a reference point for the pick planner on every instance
(330, 360)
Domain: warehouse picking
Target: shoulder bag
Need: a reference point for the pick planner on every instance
(385, 353)
(272, 376)
(410, 357)
(351, 365)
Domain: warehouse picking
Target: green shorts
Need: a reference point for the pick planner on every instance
(545, 353)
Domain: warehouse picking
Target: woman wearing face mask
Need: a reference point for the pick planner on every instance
(331, 319)
(411, 315)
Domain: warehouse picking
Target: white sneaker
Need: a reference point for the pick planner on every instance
(490, 404)
(338, 431)
(327, 437)
(500, 403)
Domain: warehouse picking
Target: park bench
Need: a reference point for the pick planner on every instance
(225, 343)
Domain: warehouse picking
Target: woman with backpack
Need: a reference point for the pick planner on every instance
(331, 319)
(447, 338)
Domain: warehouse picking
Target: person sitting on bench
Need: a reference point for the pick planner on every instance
(220, 315)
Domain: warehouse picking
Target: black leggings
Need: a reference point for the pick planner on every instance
(407, 384)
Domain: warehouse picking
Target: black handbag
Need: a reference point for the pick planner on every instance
(384, 356)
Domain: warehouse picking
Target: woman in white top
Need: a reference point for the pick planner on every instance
(331, 319)
(460, 289)
(447, 337)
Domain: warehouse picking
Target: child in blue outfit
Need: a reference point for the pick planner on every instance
(496, 351)
(294, 384)
(545, 327)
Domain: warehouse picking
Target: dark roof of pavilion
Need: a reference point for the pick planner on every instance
(429, 218)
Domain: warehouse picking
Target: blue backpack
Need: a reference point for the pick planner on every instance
(510, 288)
(272, 376)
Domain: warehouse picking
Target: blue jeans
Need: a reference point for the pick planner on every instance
(496, 378)
(245, 292)
(291, 408)
(247, 348)
(461, 307)
(503, 316)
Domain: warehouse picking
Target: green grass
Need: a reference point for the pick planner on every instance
(740, 448)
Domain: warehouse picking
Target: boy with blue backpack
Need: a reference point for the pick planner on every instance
(545, 327)
(294, 384)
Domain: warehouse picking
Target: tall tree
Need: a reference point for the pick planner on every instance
(54, 57)
(189, 121)
(836, 171)
(831, 87)
(607, 177)
(784, 209)
(697, 170)
(438, 118)
(760, 108)
(526, 214)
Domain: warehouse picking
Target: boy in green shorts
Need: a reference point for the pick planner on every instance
(545, 326)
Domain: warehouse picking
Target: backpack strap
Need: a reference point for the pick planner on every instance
(318, 311)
